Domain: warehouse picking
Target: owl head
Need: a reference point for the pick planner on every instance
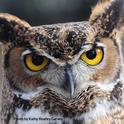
(70, 69)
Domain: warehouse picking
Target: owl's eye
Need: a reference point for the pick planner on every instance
(35, 62)
(93, 57)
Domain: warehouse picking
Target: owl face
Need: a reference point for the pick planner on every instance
(67, 69)
(77, 66)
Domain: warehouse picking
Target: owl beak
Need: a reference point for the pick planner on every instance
(70, 80)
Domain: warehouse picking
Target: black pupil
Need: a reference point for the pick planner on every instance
(91, 54)
(37, 59)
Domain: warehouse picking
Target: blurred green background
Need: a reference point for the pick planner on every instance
(38, 12)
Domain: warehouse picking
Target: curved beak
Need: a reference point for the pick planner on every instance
(70, 80)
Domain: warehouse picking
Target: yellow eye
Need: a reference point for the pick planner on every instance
(93, 57)
(35, 62)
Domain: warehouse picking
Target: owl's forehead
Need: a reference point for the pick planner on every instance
(62, 40)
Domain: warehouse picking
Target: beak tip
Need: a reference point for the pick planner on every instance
(71, 93)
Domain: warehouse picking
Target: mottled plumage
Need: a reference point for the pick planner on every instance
(64, 73)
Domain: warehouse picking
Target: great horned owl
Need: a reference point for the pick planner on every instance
(64, 73)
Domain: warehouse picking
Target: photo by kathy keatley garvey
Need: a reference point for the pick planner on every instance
(64, 73)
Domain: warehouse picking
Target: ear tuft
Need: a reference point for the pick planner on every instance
(10, 18)
(105, 16)
(11, 25)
